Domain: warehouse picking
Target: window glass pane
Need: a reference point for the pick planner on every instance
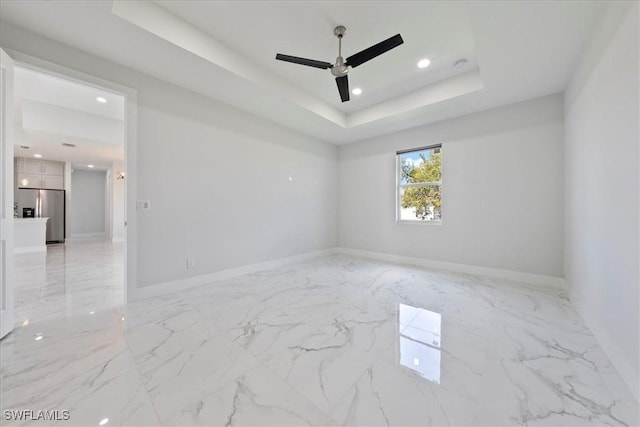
(420, 166)
(422, 203)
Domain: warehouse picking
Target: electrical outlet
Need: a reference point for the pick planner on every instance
(191, 262)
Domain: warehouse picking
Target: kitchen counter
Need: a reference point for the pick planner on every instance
(29, 235)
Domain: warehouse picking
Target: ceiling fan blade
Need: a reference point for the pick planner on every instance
(373, 51)
(304, 61)
(343, 87)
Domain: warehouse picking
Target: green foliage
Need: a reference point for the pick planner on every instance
(426, 200)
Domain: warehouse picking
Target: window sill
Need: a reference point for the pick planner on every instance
(417, 222)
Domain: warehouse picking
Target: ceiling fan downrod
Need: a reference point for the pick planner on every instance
(339, 69)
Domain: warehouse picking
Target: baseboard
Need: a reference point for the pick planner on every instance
(30, 249)
(527, 278)
(630, 376)
(179, 285)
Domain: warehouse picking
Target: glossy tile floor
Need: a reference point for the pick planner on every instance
(332, 341)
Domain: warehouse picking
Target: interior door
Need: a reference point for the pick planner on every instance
(6, 194)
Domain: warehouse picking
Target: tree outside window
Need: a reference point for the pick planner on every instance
(420, 185)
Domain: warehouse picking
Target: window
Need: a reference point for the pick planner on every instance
(419, 192)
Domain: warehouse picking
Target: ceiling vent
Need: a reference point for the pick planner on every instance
(460, 63)
(66, 144)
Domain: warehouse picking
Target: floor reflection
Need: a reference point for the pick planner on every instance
(420, 336)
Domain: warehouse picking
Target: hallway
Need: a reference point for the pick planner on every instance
(75, 278)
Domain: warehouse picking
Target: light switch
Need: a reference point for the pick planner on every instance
(143, 205)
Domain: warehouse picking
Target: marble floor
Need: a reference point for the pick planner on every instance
(332, 341)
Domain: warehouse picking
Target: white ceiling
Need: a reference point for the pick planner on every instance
(442, 33)
(50, 89)
(52, 111)
(225, 49)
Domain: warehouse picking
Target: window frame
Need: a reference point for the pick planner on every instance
(400, 186)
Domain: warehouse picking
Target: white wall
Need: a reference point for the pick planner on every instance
(602, 231)
(218, 182)
(117, 203)
(68, 194)
(108, 204)
(88, 202)
(217, 177)
(114, 205)
(502, 191)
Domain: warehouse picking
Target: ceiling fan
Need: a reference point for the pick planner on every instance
(341, 67)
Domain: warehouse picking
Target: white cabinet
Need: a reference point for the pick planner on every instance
(30, 235)
(31, 167)
(52, 182)
(39, 174)
(52, 168)
(27, 180)
(52, 175)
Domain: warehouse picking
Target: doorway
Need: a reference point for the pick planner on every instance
(95, 265)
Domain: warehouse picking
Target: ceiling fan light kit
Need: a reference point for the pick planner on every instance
(340, 68)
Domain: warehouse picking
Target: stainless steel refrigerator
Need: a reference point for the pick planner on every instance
(45, 204)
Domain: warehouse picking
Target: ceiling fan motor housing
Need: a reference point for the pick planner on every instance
(339, 69)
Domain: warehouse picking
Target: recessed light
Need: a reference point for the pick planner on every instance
(89, 166)
(38, 337)
(37, 155)
(103, 421)
(101, 100)
(423, 63)
(356, 91)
